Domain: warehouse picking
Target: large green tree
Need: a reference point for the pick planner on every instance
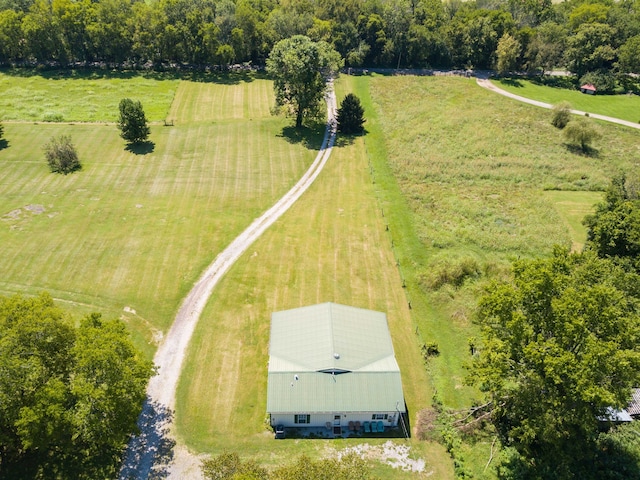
(69, 397)
(300, 68)
(350, 116)
(132, 121)
(561, 345)
(613, 231)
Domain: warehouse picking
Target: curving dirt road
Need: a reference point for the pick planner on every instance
(486, 83)
(152, 454)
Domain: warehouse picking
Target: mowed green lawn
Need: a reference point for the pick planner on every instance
(81, 96)
(133, 230)
(626, 107)
(332, 245)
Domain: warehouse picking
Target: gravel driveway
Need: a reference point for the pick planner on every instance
(153, 453)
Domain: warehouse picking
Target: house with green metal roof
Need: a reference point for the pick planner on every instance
(333, 366)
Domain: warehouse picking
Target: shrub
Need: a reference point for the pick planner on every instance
(1, 130)
(451, 272)
(581, 132)
(430, 350)
(561, 115)
(53, 117)
(350, 115)
(132, 122)
(61, 155)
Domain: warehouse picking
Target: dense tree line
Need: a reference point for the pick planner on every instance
(69, 396)
(598, 36)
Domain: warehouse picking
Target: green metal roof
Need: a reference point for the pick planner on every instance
(332, 338)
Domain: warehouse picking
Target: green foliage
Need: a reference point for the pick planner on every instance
(300, 68)
(430, 349)
(229, 466)
(349, 467)
(581, 133)
(561, 114)
(591, 48)
(1, 130)
(618, 455)
(604, 81)
(74, 393)
(451, 272)
(350, 116)
(61, 155)
(508, 52)
(132, 121)
(629, 55)
(613, 231)
(564, 332)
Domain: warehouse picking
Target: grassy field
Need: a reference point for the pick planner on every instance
(81, 96)
(573, 207)
(331, 246)
(438, 198)
(137, 230)
(474, 167)
(626, 107)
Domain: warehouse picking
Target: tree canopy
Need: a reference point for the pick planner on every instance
(300, 68)
(581, 133)
(132, 121)
(561, 345)
(69, 397)
(61, 155)
(613, 231)
(350, 115)
(585, 36)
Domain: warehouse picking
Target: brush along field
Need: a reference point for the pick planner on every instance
(136, 230)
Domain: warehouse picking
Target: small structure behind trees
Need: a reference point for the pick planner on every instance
(559, 350)
(61, 155)
(133, 122)
(350, 116)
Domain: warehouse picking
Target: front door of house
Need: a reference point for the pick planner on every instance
(336, 420)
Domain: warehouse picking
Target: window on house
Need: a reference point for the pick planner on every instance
(302, 418)
(379, 416)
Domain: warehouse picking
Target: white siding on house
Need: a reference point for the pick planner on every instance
(319, 420)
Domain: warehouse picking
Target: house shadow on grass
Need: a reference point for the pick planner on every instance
(141, 148)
